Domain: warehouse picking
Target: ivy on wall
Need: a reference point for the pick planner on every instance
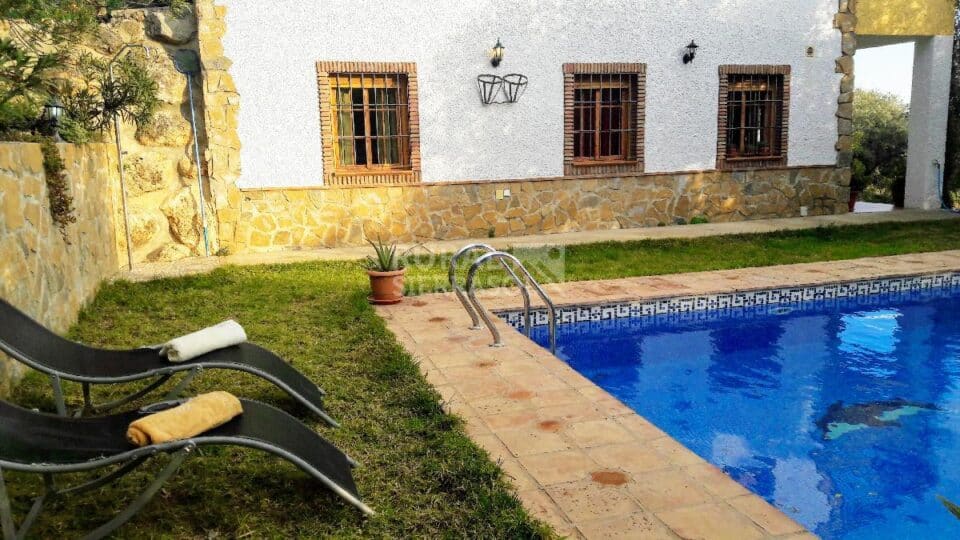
(58, 186)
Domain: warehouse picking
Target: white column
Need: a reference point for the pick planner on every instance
(928, 120)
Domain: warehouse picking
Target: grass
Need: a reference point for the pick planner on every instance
(420, 472)
(609, 260)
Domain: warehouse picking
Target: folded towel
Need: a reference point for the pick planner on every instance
(203, 341)
(197, 415)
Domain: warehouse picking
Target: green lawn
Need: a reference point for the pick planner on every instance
(420, 472)
(610, 260)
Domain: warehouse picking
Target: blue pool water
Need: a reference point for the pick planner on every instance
(845, 416)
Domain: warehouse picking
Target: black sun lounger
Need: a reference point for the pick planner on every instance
(33, 344)
(47, 444)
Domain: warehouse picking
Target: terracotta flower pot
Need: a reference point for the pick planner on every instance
(386, 287)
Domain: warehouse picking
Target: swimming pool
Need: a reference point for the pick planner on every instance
(842, 412)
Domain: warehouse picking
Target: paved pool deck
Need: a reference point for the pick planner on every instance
(199, 265)
(578, 458)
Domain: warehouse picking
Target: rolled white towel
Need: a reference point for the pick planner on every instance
(203, 341)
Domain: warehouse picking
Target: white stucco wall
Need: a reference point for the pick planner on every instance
(929, 107)
(274, 50)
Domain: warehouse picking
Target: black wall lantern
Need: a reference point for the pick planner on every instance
(691, 52)
(52, 113)
(497, 54)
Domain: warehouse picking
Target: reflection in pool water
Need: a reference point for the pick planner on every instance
(846, 417)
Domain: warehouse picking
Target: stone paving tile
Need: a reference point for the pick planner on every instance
(542, 507)
(580, 459)
(634, 457)
(715, 481)
(763, 514)
(597, 433)
(667, 489)
(588, 500)
(526, 442)
(558, 467)
(713, 521)
(639, 525)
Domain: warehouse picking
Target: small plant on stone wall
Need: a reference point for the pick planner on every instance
(58, 186)
(699, 220)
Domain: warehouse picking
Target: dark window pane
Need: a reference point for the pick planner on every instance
(754, 115)
(583, 132)
(583, 96)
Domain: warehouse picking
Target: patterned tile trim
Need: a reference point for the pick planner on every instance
(723, 302)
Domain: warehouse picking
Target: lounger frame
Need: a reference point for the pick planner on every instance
(129, 461)
(161, 376)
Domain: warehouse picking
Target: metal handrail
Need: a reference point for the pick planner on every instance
(463, 298)
(472, 295)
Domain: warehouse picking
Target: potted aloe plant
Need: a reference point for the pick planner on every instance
(386, 273)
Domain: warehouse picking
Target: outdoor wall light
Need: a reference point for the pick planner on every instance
(691, 52)
(496, 54)
(52, 112)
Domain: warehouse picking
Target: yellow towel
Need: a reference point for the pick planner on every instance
(197, 415)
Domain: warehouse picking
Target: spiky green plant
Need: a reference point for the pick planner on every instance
(386, 259)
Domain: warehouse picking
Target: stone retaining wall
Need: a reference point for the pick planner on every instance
(42, 272)
(327, 217)
(161, 174)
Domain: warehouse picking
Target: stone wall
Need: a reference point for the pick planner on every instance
(161, 175)
(44, 273)
(326, 217)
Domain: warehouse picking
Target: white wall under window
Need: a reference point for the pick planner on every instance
(274, 47)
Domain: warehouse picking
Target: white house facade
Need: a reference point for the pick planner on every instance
(342, 120)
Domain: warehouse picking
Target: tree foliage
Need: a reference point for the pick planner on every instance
(25, 81)
(880, 123)
(38, 60)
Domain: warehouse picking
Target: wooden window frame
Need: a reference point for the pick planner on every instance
(408, 171)
(573, 166)
(725, 162)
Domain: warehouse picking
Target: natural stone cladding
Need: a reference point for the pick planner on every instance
(846, 22)
(44, 273)
(160, 170)
(326, 217)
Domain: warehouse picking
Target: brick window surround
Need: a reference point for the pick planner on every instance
(326, 75)
(779, 160)
(638, 73)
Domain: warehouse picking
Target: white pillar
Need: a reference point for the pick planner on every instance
(928, 120)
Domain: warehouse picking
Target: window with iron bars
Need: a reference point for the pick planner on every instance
(371, 119)
(753, 118)
(604, 119)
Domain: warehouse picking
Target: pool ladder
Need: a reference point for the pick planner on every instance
(511, 265)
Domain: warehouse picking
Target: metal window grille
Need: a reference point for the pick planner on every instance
(371, 120)
(604, 120)
(754, 117)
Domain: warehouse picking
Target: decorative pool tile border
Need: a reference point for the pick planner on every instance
(725, 302)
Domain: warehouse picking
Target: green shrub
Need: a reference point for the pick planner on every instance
(879, 145)
(699, 220)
